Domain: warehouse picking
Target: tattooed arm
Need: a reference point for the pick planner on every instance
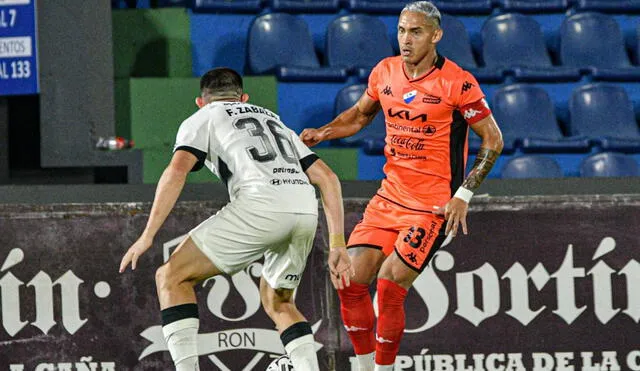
(455, 211)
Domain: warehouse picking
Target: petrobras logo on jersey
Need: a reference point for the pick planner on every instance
(408, 97)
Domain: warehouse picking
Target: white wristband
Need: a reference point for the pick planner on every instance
(464, 194)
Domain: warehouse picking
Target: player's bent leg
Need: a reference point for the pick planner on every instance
(356, 307)
(394, 280)
(295, 331)
(174, 282)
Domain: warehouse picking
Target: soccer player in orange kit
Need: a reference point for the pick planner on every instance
(429, 103)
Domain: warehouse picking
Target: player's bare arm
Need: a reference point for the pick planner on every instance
(455, 210)
(340, 267)
(167, 192)
(346, 124)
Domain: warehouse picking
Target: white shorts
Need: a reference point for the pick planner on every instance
(238, 235)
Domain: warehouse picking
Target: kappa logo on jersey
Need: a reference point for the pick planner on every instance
(431, 99)
(387, 91)
(466, 86)
(409, 96)
(470, 113)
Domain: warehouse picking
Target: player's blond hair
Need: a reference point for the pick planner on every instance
(427, 8)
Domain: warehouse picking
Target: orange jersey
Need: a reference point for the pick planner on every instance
(427, 122)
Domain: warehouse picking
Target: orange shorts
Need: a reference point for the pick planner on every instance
(415, 235)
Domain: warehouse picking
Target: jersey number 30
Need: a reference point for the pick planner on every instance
(256, 129)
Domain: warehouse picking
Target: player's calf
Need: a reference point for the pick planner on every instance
(295, 332)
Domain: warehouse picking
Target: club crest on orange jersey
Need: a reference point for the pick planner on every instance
(409, 96)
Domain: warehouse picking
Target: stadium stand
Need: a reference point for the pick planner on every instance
(609, 164)
(531, 166)
(357, 42)
(604, 113)
(515, 43)
(346, 98)
(280, 43)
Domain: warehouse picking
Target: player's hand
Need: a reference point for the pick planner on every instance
(311, 137)
(340, 267)
(135, 251)
(455, 212)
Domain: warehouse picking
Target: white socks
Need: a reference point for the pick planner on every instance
(180, 329)
(181, 337)
(384, 368)
(300, 347)
(366, 362)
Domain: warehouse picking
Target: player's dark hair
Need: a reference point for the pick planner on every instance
(221, 81)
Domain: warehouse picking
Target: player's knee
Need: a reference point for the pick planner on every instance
(167, 277)
(277, 301)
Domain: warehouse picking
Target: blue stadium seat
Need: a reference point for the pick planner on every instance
(609, 164)
(605, 114)
(176, 3)
(534, 6)
(375, 6)
(304, 6)
(280, 43)
(464, 6)
(346, 98)
(594, 42)
(357, 42)
(526, 117)
(445, 6)
(531, 166)
(229, 6)
(612, 6)
(455, 45)
(515, 43)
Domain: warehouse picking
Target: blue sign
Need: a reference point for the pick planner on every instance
(18, 57)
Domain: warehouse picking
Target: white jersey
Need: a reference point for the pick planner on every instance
(253, 153)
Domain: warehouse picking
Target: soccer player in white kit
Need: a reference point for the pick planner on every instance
(273, 213)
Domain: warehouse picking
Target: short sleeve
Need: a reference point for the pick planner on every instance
(374, 80)
(193, 137)
(468, 89)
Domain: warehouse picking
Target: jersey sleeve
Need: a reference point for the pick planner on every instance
(472, 103)
(193, 137)
(374, 79)
(305, 155)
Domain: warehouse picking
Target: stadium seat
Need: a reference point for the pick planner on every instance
(304, 6)
(170, 3)
(605, 114)
(445, 6)
(280, 43)
(609, 164)
(357, 42)
(515, 43)
(533, 6)
(527, 119)
(346, 98)
(613, 6)
(531, 166)
(229, 6)
(455, 45)
(464, 6)
(375, 6)
(595, 43)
